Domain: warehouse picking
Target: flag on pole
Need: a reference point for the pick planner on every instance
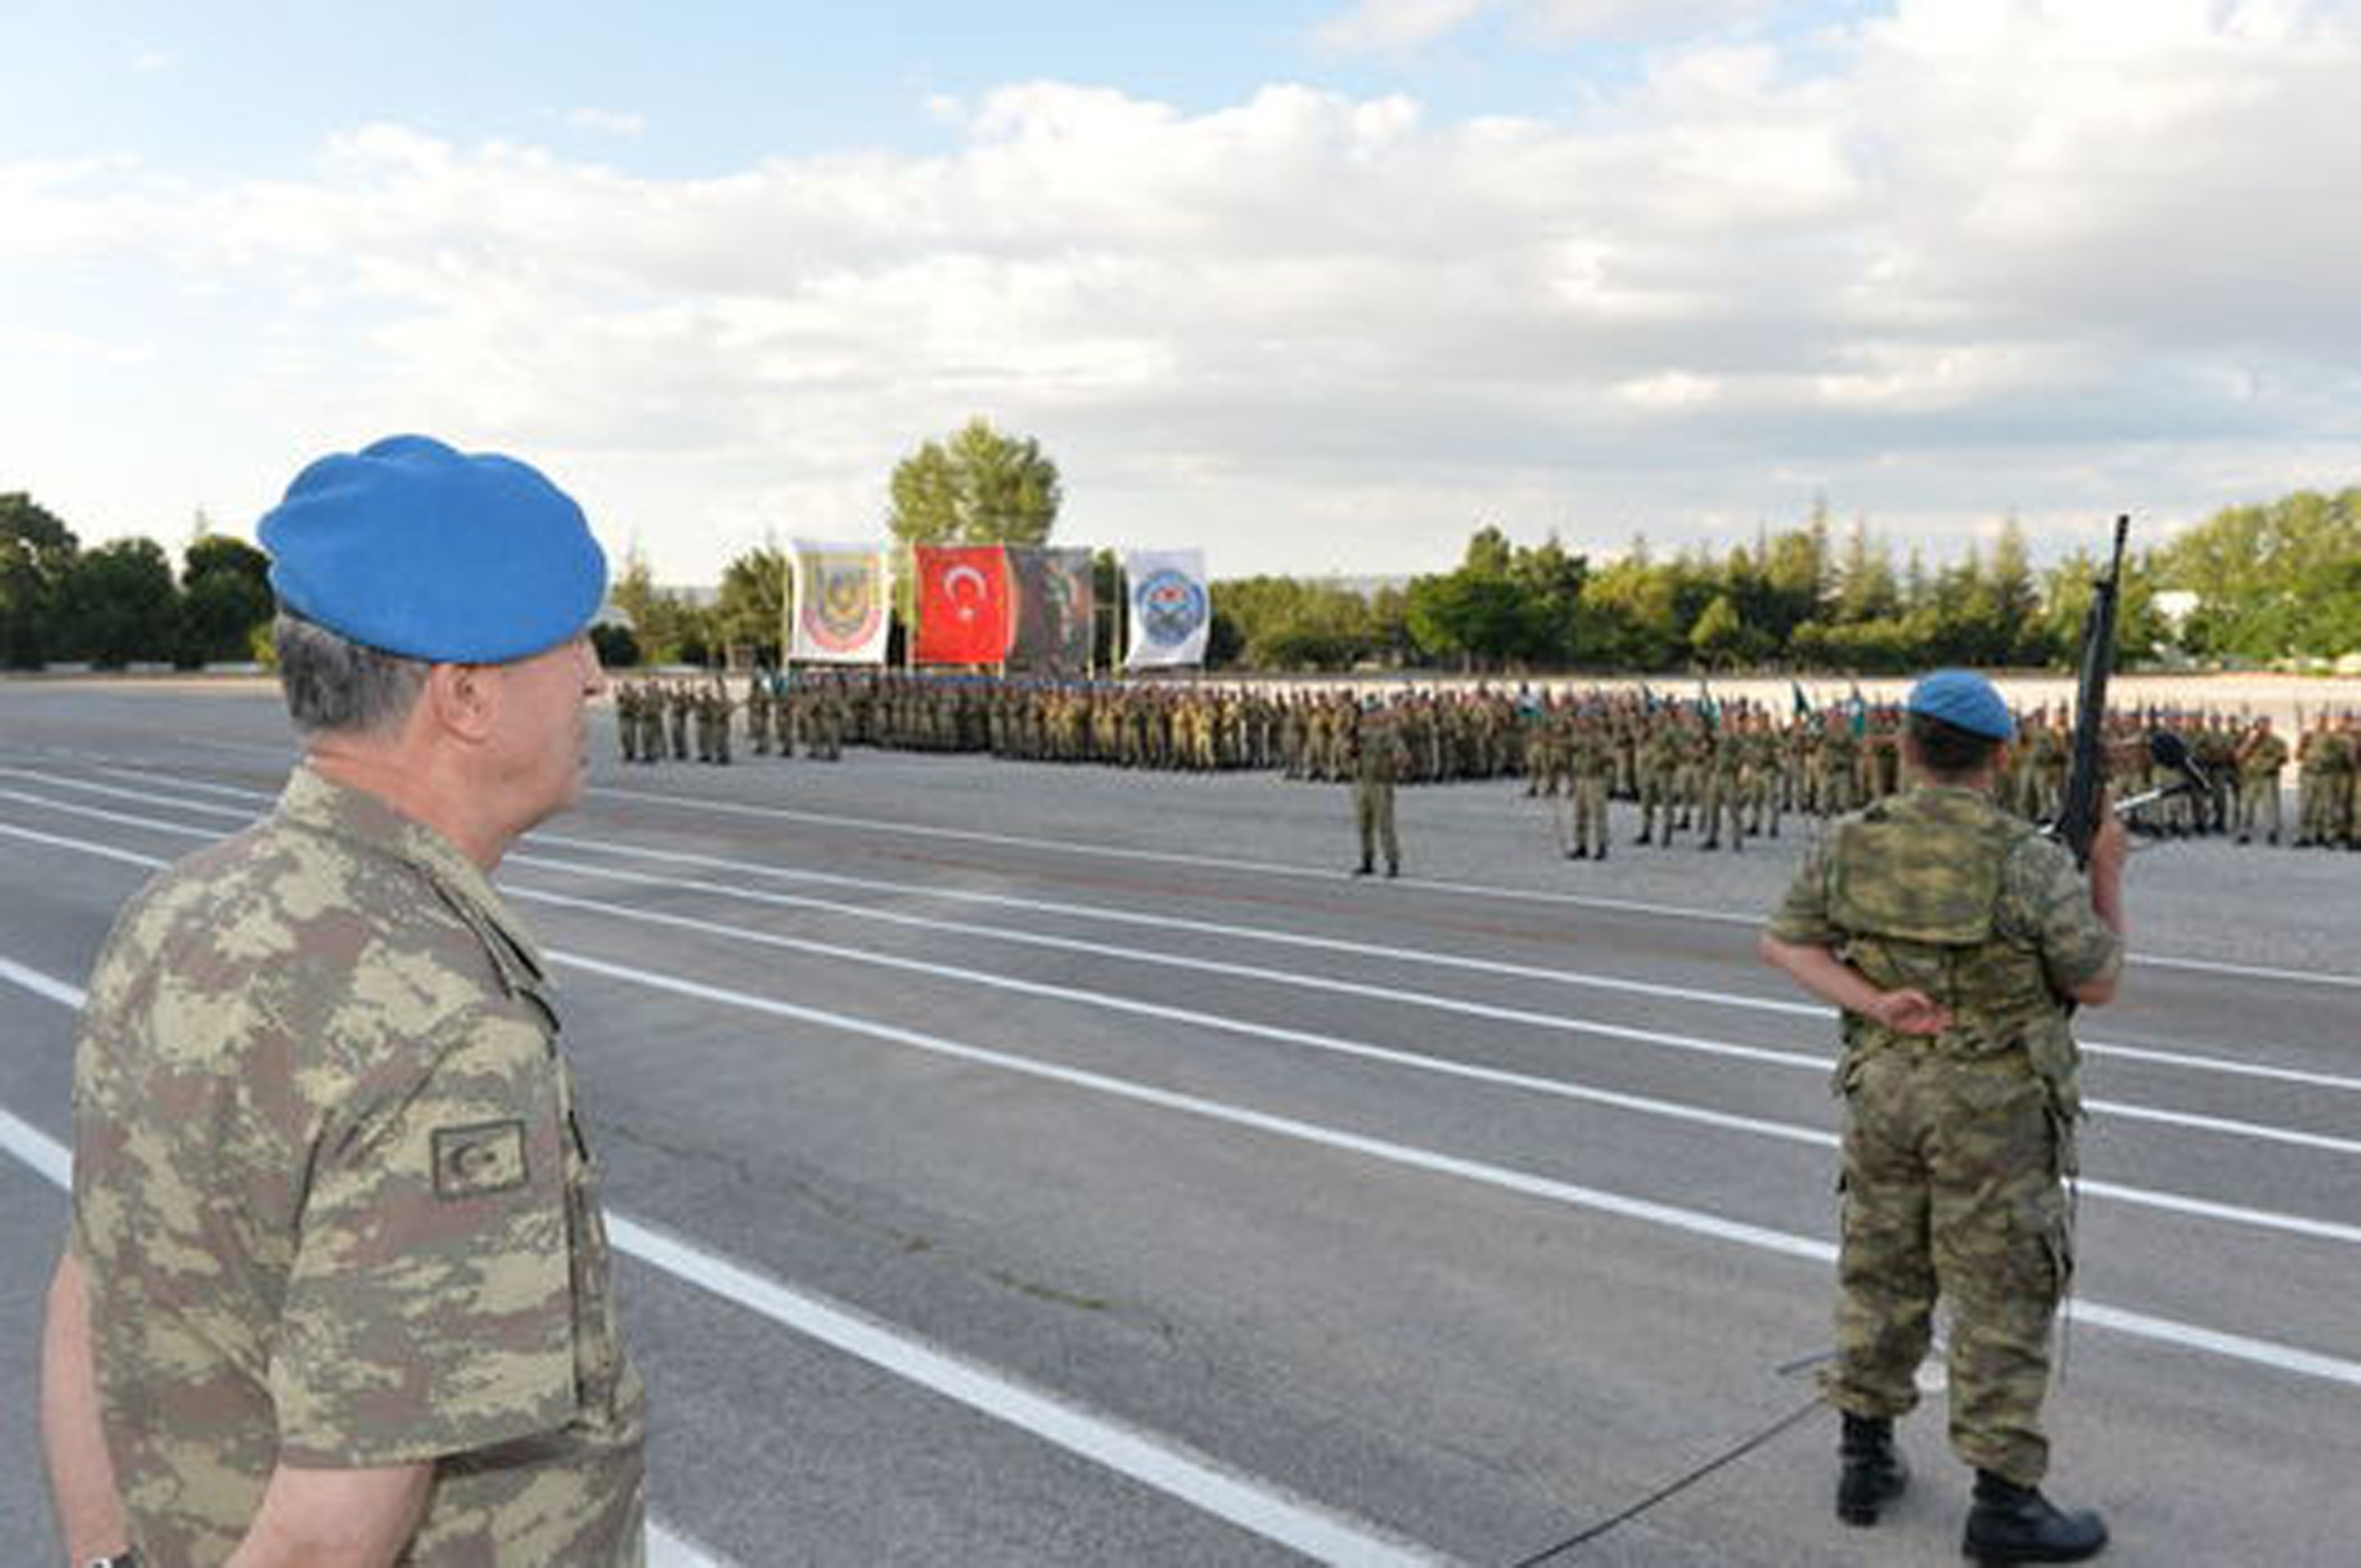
(839, 603)
(1169, 608)
(962, 604)
(1055, 614)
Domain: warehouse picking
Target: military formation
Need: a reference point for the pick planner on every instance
(1710, 772)
(655, 720)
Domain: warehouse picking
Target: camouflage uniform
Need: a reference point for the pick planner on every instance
(334, 1205)
(1379, 759)
(2260, 758)
(1956, 1146)
(1591, 758)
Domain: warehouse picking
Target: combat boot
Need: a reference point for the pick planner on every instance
(1871, 1473)
(2009, 1523)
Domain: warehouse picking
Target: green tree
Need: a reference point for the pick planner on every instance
(1719, 637)
(1287, 623)
(980, 487)
(121, 605)
(616, 647)
(1481, 614)
(1630, 617)
(750, 612)
(37, 551)
(225, 596)
(666, 628)
(2272, 578)
(1865, 585)
(1796, 579)
(1551, 580)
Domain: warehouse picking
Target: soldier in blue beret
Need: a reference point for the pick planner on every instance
(1955, 940)
(337, 1286)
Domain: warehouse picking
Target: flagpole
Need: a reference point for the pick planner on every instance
(1118, 656)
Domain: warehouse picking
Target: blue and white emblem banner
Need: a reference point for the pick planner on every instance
(1169, 607)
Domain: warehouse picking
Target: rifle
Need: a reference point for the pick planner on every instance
(2077, 804)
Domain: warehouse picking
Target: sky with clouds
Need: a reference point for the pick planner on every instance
(1318, 286)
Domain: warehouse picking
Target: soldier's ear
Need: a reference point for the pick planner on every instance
(462, 700)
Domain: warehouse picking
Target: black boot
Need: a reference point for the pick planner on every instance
(1871, 1471)
(2009, 1523)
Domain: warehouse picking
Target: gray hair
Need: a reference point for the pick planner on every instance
(334, 686)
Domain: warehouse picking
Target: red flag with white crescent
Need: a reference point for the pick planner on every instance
(962, 604)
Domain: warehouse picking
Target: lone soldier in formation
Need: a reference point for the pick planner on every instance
(1377, 760)
(1954, 938)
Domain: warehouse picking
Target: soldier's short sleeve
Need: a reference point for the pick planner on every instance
(2053, 903)
(1802, 917)
(429, 1309)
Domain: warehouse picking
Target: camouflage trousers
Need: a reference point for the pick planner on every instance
(1373, 813)
(1582, 815)
(1952, 1187)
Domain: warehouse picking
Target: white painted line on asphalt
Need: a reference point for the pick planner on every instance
(2327, 1230)
(1527, 895)
(2294, 1225)
(1394, 994)
(2292, 1360)
(36, 1148)
(1302, 873)
(2190, 1061)
(1158, 1461)
(2225, 1126)
(40, 984)
(1525, 1017)
(2263, 1219)
(1261, 1507)
(1693, 1222)
(50, 1159)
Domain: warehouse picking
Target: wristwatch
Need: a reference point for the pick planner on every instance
(126, 1558)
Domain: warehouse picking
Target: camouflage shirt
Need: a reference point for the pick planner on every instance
(334, 1204)
(1941, 889)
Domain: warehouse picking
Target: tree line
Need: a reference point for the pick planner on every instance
(2271, 582)
(122, 602)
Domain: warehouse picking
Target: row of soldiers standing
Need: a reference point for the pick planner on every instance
(655, 719)
(1723, 770)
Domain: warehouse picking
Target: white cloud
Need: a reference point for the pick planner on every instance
(608, 122)
(1392, 26)
(1584, 20)
(1990, 254)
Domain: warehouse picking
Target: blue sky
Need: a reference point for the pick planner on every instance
(1319, 285)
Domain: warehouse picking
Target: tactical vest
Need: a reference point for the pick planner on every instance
(1915, 885)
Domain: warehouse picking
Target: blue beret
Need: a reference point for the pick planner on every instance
(1966, 700)
(413, 548)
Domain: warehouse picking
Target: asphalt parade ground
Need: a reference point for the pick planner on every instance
(1023, 1164)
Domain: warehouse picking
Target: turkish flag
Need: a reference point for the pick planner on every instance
(962, 604)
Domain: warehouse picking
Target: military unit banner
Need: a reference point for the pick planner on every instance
(1056, 610)
(962, 599)
(839, 611)
(1169, 607)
